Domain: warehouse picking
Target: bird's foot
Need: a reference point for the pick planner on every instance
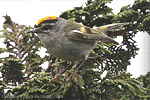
(72, 75)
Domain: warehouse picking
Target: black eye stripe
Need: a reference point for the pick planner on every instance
(46, 27)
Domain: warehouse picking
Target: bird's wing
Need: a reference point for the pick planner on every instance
(84, 33)
(81, 36)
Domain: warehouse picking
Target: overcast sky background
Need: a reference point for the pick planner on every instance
(29, 11)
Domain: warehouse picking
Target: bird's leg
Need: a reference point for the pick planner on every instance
(79, 65)
(64, 70)
(61, 72)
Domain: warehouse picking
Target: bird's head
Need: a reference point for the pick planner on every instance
(45, 24)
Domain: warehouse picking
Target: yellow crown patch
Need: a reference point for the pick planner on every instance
(45, 18)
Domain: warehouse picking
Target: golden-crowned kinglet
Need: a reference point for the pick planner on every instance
(69, 40)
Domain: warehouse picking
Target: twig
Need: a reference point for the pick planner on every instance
(13, 52)
(12, 40)
(26, 50)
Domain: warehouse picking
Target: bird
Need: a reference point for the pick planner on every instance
(71, 41)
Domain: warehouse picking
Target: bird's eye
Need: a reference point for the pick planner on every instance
(46, 27)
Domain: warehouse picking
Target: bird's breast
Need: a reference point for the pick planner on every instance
(67, 49)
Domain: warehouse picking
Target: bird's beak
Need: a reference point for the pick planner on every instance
(34, 31)
(31, 31)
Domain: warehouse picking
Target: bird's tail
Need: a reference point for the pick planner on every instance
(109, 27)
(108, 40)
